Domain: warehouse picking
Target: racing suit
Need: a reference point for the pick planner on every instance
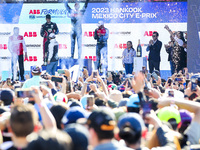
(52, 57)
(101, 48)
(76, 31)
(16, 46)
(45, 31)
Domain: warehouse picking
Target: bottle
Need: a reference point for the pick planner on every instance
(139, 49)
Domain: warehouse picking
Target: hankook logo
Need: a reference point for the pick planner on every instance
(5, 33)
(64, 33)
(122, 33)
(5, 58)
(89, 45)
(33, 45)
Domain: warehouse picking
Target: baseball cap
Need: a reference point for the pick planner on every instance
(73, 114)
(167, 113)
(36, 69)
(48, 16)
(123, 102)
(186, 117)
(102, 120)
(79, 135)
(7, 96)
(60, 97)
(112, 86)
(134, 120)
(134, 101)
(100, 23)
(52, 35)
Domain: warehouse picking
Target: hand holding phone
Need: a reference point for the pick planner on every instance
(193, 84)
(169, 82)
(94, 73)
(146, 107)
(23, 93)
(155, 76)
(90, 102)
(148, 77)
(57, 79)
(45, 83)
(170, 93)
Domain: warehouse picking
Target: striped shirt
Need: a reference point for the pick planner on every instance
(128, 56)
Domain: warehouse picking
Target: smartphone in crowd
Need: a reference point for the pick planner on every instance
(57, 79)
(17, 85)
(178, 79)
(94, 73)
(68, 87)
(44, 83)
(146, 107)
(155, 76)
(187, 81)
(148, 77)
(193, 84)
(61, 71)
(90, 100)
(170, 93)
(23, 93)
(8, 80)
(169, 82)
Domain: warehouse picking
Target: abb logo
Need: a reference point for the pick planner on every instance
(30, 34)
(93, 58)
(89, 34)
(31, 58)
(149, 33)
(62, 46)
(121, 46)
(34, 11)
(3, 46)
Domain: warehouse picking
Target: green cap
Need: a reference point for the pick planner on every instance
(167, 113)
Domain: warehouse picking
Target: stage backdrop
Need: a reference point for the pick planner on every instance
(125, 22)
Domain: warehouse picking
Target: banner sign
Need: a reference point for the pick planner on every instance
(125, 22)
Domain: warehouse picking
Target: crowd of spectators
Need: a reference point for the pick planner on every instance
(113, 112)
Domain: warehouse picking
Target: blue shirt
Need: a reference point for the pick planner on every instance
(34, 81)
(128, 56)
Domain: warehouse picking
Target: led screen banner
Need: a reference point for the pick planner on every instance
(125, 22)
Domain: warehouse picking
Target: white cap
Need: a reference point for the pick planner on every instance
(100, 23)
(52, 35)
